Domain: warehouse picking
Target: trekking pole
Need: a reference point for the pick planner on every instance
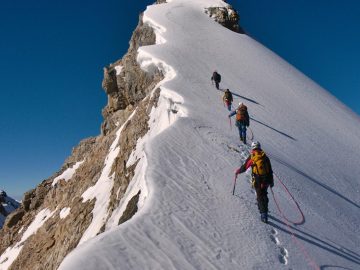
(230, 123)
(234, 184)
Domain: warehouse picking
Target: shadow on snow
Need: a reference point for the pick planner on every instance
(316, 241)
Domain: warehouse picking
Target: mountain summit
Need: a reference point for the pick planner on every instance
(154, 189)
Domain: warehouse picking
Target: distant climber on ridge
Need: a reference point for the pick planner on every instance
(262, 177)
(242, 120)
(216, 77)
(228, 99)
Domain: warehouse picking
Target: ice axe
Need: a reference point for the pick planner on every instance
(234, 184)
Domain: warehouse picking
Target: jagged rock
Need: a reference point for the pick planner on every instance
(132, 83)
(109, 82)
(26, 201)
(131, 209)
(2, 194)
(160, 1)
(14, 218)
(228, 17)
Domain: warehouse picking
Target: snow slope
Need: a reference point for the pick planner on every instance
(188, 218)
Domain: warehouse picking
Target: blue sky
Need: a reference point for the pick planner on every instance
(52, 54)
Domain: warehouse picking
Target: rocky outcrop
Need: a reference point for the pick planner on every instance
(226, 16)
(124, 81)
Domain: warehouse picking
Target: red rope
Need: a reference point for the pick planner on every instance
(302, 218)
(310, 261)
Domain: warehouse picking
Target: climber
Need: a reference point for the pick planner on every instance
(262, 177)
(228, 99)
(242, 120)
(216, 77)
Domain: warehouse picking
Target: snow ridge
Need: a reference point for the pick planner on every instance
(188, 217)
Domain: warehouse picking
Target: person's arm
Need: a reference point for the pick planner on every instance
(232, 113)
(247, 164)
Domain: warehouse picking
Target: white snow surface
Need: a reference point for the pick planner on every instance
(118, 69)
(68, 173)
(188, 217)
(64, 212)
(11, 253)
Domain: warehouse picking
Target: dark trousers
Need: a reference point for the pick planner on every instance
(217, 85)
(262, 199)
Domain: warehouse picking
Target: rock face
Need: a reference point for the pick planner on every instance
(7, 206)
(131, 92)
(228, 17)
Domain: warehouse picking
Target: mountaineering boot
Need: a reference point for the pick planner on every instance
(264, 217)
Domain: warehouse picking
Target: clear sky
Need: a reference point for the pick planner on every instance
(52, 54)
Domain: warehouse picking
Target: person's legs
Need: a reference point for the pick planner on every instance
(262, 199)
(243, 132)
(228, 104)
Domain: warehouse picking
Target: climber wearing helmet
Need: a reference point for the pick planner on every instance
(242, 120)
(262, 177)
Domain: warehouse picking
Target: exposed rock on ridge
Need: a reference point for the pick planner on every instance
(131, 84)
(129, 90)
(227, 17)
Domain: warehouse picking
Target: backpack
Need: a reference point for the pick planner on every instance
(228, 96)
(241, 113)
(260, 164)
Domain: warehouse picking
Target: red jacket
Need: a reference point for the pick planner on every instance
(248, 163)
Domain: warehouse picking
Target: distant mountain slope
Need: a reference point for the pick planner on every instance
(7, 205)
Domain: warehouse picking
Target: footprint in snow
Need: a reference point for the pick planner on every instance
(274, 239)
(284, 254)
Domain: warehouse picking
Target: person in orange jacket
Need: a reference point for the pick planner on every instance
(242, 120)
